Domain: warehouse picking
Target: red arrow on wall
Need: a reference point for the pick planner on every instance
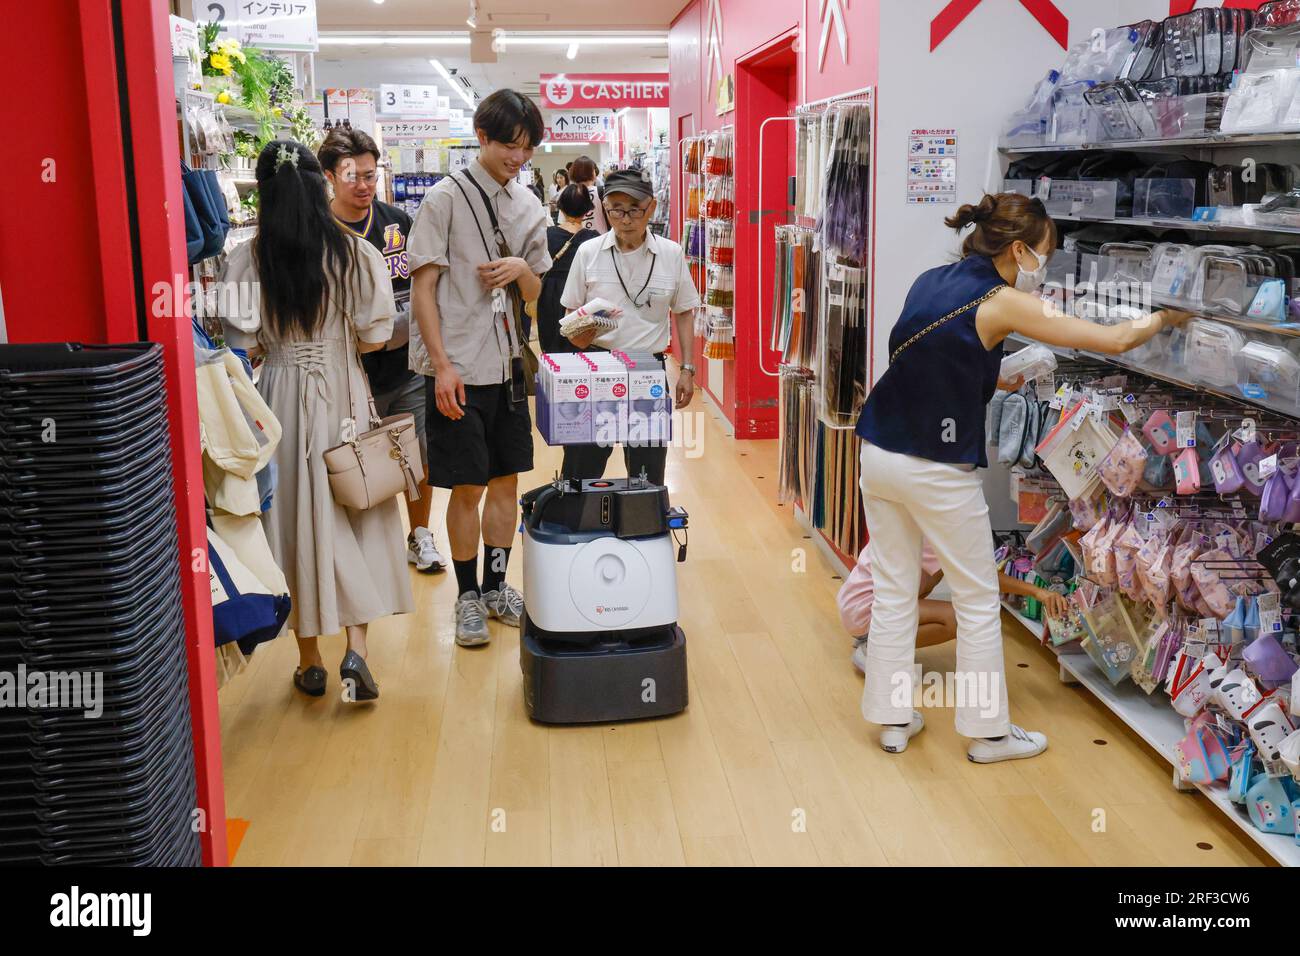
(1044, 11)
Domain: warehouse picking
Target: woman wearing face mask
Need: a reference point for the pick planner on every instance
(922, 429)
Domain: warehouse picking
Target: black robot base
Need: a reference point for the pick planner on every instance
(571, 683)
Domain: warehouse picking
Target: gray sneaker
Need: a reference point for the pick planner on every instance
(471, 620)
(506, 605)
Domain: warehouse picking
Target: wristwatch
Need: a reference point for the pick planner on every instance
(688, 368)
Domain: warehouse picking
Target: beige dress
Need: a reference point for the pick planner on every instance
(343, 567)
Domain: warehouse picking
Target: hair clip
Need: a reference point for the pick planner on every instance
(286, 154)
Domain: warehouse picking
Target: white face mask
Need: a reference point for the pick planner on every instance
(1030, 281)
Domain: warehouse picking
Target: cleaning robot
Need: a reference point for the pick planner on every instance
(599, 639)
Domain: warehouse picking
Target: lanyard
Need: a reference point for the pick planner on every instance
(633, 299)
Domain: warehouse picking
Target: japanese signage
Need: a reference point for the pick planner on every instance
(580, 91)
(268, 24)
(578, 127)
(403, 100)
(932, 166)
(185, 37)
(414, 129)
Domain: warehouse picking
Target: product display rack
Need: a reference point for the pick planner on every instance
(1152, 716)
(1160, 727)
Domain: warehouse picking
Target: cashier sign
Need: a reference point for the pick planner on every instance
(612, 90)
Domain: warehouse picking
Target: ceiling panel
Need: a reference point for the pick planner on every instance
(527, 14)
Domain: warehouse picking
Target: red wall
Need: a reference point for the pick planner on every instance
(748, 396)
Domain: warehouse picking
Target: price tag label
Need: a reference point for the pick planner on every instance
(1270, 613)
(1187, 429)
(1262, 541)
(1267, 467)
(1247, 430)
(1045, 387)
(1129, 407)
(1097, 413)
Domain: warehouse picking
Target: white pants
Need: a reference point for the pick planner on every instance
(905, 499)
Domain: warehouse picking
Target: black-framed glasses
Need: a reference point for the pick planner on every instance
(636, 214)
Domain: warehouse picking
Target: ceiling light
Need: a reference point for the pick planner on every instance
(573, 50)
(555, 39)
(400, 39)
(453, 83)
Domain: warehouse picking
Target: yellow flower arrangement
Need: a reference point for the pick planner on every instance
(221, 62)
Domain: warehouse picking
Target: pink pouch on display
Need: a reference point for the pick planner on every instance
(1161, 432)
(1187, 472)
(1201, 755)
(1086, 512)
(1154, 578)
(1102, 570)
(1122, 468)
(1214, 593)
(1090, 543)
(1126, 550)
(1180, 567)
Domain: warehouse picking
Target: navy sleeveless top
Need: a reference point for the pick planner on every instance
(930, 403)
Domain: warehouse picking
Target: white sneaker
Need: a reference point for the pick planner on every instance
(894, 739)
(423, 553)
(1016, 745)
(506, 605)
(471, 620)
(860, 655)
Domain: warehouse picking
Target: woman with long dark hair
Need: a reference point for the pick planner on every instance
(922, 431)
(321, 296)
(563, 241)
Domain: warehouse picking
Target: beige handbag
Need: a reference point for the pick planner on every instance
(379, 463)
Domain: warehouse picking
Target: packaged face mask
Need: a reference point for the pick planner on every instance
(1212, 590)
(1122, 468)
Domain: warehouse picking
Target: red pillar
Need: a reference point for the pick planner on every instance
(94, 224)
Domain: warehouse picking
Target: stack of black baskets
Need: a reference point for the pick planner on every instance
(90, 591)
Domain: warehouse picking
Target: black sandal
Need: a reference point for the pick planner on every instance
(310, 681)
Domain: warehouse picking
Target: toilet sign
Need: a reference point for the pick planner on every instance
(577, 127)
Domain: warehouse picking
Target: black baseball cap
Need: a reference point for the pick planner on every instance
(630, 182)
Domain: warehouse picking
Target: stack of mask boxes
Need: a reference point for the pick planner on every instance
(603, 398)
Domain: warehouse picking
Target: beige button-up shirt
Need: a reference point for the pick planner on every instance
(445, 234)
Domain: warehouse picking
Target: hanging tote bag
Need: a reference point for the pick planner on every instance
(243, 608)
(376, 464)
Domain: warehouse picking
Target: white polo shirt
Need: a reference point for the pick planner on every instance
(655, 275)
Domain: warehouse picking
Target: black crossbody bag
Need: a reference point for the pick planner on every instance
(523, 360)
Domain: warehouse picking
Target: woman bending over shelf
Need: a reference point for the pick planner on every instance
(922, 431)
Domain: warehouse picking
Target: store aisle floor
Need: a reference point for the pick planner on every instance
(771, 764)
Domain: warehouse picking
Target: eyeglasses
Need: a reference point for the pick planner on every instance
(368, 179)
(634, 214)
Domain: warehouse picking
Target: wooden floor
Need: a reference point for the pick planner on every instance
(771, 764)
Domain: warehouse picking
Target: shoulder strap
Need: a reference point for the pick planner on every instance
(951, 315)
(563, 249)
(477, 224)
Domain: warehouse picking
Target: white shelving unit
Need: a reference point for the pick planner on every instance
(1152, 719)
(1217, 140)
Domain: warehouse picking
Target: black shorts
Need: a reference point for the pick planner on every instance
(494, 439)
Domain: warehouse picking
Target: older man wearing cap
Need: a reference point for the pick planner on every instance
(647, 277)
